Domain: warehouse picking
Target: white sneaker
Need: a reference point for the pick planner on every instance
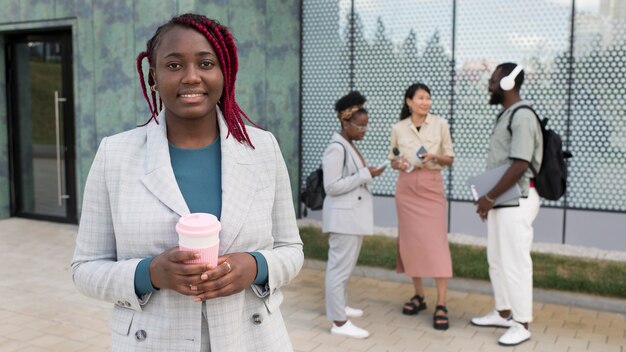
(493, 319)
(516, 334)
(353, 312)
(350, 330)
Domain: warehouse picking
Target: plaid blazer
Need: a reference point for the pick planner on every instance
(349, 204)
(130, 207)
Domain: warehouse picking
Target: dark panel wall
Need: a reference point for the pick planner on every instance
(108, 35)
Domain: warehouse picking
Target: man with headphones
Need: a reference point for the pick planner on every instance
(509, 224)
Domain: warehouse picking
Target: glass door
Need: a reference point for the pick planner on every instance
(41, 125)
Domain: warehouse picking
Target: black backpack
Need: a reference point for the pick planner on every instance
(313, 194)
(551, 180)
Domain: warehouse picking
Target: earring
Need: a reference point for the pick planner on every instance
(154, 88)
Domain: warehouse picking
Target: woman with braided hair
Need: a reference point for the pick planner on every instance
(348, 212)
(195, 154)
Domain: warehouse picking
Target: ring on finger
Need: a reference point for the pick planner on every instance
(229, 268)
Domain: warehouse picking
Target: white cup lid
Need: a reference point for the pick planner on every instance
(198, 225)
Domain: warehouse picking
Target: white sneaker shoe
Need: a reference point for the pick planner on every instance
(350, 330)
(493, 319)
(516, 334)
(353, 312)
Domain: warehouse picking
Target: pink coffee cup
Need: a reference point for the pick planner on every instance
(199, 232)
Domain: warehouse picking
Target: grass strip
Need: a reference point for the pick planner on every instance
(550, 271)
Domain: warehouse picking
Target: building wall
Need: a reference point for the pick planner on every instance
(108, 35)
(572, 53)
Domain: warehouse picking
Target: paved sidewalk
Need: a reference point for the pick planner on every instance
(40, 310)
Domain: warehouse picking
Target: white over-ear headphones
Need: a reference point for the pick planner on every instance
(508, 82)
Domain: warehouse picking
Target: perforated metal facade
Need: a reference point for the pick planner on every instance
(575, 75)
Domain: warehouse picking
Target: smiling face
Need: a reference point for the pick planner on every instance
(188, 74)
(420, 103)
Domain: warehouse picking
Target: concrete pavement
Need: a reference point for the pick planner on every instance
(40, 310)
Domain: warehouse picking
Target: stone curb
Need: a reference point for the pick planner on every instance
(613, 305)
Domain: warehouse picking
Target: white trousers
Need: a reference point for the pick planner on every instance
(510, 237)
(343, 252)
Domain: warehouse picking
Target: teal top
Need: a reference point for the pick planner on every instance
(199, 176)
(198, 173)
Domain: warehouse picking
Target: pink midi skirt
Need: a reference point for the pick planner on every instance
(421, 205)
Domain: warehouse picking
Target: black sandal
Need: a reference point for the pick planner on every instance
(410, 308)
(441, 322)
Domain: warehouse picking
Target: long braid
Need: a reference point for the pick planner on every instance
(142, 82)
(152, 103)
(231, 50)
(224, 45)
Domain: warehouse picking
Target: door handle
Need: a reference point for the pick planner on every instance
(58, 100)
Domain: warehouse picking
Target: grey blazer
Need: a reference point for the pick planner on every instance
(348, 206)
(130, 207)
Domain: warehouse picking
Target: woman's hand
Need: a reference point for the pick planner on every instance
(427, 157)
(168, 270)
(399, 163)
(374, 171)
(233, 274)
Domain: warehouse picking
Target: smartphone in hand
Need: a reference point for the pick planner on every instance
(421, 151)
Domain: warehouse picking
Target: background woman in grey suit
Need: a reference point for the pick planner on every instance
(348, 210)
(195, 155)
